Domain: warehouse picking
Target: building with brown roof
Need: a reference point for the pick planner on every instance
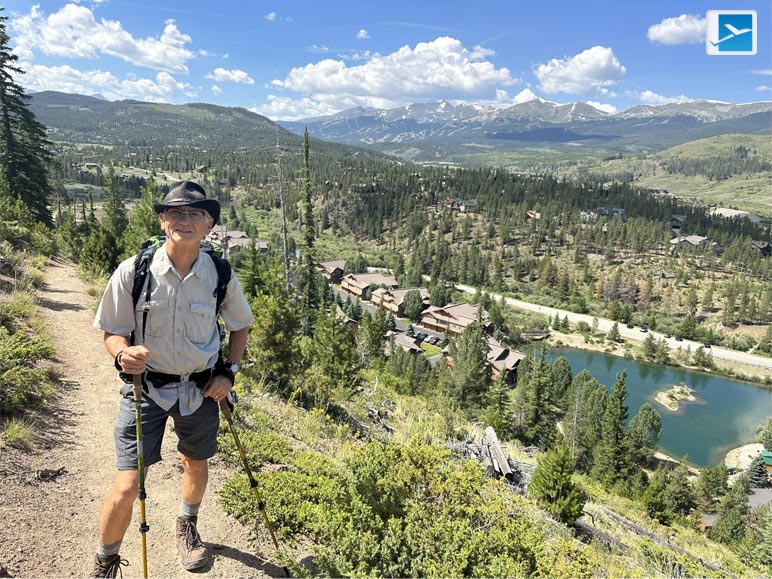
(356, 284)
(332, 270)
(453, 318)
(394, 299)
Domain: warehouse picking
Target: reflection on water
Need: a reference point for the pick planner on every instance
(725, 415)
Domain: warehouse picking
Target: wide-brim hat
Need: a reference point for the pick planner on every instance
(188, 194)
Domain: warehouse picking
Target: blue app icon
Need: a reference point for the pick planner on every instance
(735, 33)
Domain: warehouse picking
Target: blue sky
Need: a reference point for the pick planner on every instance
(290, 59)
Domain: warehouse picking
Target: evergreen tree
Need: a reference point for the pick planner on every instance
(552, 488)
(116, 219)
(24, 148)
(762, 554)
(585, 403)
(413, 305)
(731, 516)
(764, 434)
(100, 252)
(144, 222)
(562, 376)
(333, 352)
(654, 500)
(644, 434)
(272, 346)
(535, 416)
(613, 333)
(309, 278)
(710, 486)
(610, 456)
(679, 492)
(470, 376)
(757, 473)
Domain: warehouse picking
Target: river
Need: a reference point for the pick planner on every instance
(725, 414)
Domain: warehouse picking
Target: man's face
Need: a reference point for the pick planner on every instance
(185, 224)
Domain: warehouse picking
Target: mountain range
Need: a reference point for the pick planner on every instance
(430, 128)
(425, 132)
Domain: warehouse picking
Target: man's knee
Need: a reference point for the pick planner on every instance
(194, 468)
(125, 488)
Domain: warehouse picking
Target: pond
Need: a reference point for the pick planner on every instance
(724, 415)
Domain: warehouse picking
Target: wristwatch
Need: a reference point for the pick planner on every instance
(232, 366)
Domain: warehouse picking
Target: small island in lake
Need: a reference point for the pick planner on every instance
(669, 398)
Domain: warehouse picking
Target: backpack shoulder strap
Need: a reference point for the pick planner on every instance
(223, 279)
(141, 270)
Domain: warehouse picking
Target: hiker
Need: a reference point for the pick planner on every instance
(172, 338)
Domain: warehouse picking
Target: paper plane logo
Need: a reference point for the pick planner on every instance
(730, 32)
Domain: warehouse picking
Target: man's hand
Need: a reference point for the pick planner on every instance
(217, 388)
(133, 359)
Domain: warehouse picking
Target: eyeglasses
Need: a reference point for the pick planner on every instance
(180, 215)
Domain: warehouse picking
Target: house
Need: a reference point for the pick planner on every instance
(467, 205)
(767, 456)
(332, 270)
(763, 247)
(232, 239)
(201, 169)
(356, 284)
(707, 520)
(453, 318)
(532, 215)
(410, 345)
(689, 241)
(394, 300)
(503, 360)
(676, 221)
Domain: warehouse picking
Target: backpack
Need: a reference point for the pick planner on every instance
(142, 267)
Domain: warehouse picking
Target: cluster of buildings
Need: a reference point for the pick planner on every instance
(450, 319)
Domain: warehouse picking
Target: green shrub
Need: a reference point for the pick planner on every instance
(20, 433)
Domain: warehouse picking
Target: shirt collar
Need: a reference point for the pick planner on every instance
(165, 264)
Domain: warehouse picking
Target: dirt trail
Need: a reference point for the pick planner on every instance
(48, 521)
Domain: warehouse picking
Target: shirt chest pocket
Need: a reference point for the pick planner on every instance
(159, 317)
(200, 324)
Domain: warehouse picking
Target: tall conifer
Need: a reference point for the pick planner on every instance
(24, 149)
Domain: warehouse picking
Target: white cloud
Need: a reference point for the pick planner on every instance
(362, 34)
(440, 69)
(164, 88)
(289, 109)
(271, 16)
(763, 88)
(764, 71)
(216, 90)
(653, 98)
(611, 109)
(73, 32)
(223, 75)
(586, 73)
(684, 29)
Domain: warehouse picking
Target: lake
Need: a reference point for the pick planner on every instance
(724, 416)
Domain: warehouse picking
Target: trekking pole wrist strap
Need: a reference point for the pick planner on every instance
(118, 360)
(221, 369)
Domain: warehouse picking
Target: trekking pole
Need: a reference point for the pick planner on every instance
(226, 410)
(143, 526)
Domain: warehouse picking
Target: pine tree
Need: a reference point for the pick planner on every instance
(762, 554)
(116, 219)
(533, 407)
(585, 403)
(309, 276)
(470, 376)
(710, 486)
(644, 434)
(24, 148)
(333, 352)
(613, 333)
(610, 455)
(552, 488)
(143, 222)
(273, 350)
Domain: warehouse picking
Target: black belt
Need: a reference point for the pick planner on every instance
(160, 379)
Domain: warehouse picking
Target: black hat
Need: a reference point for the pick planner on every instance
(188, 194)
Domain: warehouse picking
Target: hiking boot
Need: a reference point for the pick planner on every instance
(108, 566)
(192, 551)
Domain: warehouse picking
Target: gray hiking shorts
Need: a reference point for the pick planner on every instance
(196, 434)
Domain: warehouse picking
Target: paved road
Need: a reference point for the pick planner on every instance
(605, 324)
